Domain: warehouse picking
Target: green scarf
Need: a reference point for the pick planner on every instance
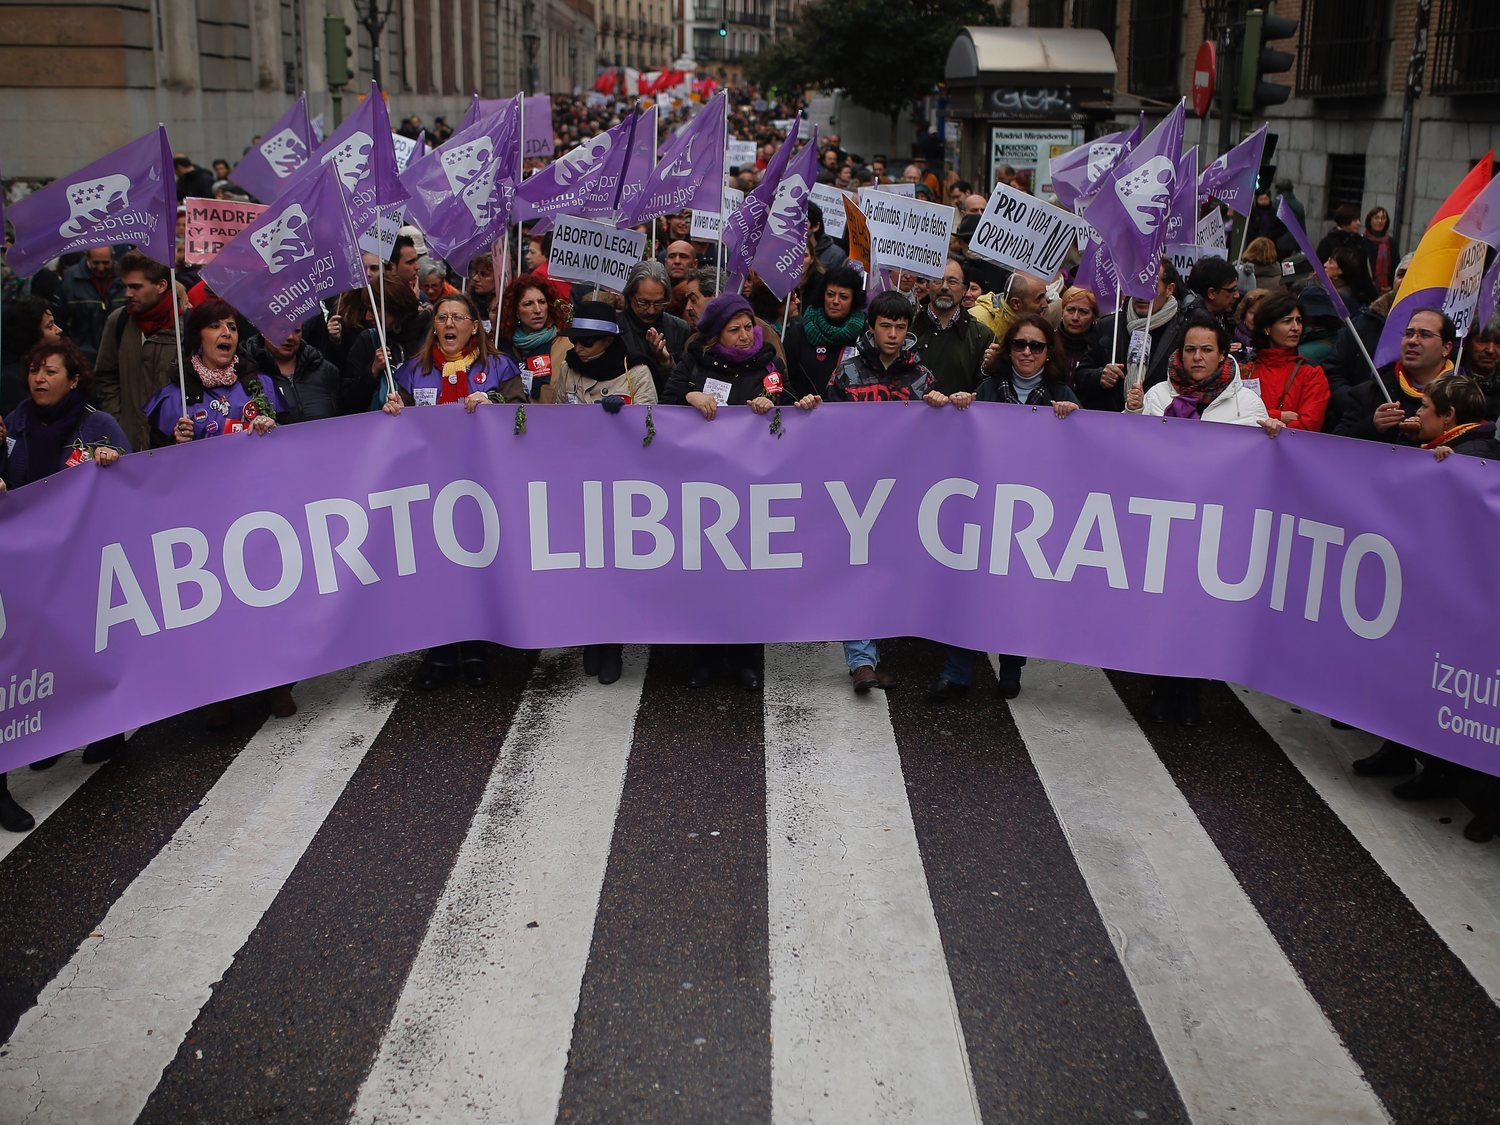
(820, 333)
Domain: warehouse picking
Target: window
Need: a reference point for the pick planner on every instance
(1346, 181)
(1466, 47)
(1098, 14)
(1045, 13)
(1341, 48)
(1155, 49)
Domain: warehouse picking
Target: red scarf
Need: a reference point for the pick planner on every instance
(157, 318)
(456, 389)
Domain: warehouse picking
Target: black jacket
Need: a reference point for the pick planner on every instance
(311, 391)
(633, 332)
(746, 378)
(86, 311)
(1358, 420)
(1092, 394)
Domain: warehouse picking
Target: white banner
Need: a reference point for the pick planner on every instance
(909, 235)
(1211, 232)
(593, 253)
(831, 200)
(907, 190)
(380, 239)
(1185, 255)
(707, 225)
(741, 154)
(1463, 290)
(1022, 233)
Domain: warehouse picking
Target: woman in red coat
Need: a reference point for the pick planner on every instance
(1293, 389)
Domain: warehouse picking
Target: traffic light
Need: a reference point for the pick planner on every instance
(723, 31)
(339, 54)
(1257, 61)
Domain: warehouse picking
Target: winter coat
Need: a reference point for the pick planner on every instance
(732, 382)
(498, 378)
(1287, 381)
(1479, 442)
(215, 411)
(311, 391)
(84, 311)
(863, 377)
(1086, 377)
(829, 253)
(570, 385)
(994, 389)
(953, 354)
(130, 369)
(633, 332)
(1359, 418)
(539, 366)
(94, 428)
(1236, 404)
(810, 365)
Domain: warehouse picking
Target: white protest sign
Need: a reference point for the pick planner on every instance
(406, 148)
(1463, 290)
(1211, 232)
(593, 253)
(831, 200)
(1022, 233)
(908, 190)
(210, 223)
(910, 235)
(380, 239)
(707, 225)
(740, 154)
(1184, 256)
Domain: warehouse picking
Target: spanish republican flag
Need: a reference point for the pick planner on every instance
(1432, 265)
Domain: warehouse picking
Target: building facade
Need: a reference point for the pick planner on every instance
(636, 33)
(749, 25)
(1340, 135)
(82, 78)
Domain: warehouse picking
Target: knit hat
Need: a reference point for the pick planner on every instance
(1316, 304)
(719, 312)
(966, 227)
(593, 320)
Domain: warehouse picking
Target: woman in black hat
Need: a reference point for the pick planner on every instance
(596, 369)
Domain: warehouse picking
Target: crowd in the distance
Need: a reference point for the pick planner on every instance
(91, 365)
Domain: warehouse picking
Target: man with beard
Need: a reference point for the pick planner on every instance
(652, 335)
(682, 259)
(138, 349)
(950, 343)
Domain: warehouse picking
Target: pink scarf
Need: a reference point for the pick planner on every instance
(215, 376)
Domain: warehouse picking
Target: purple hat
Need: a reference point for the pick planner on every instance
(719, 312)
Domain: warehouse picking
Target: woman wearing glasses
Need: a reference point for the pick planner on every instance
(1027, 368)
(455, 366)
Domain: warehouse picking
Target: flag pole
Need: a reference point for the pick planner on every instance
(177, 325)
(655, 135)
(1114, 344)
(521, 175)
(723, 192)
(501, 248)
(1374, 372)
(380, 335)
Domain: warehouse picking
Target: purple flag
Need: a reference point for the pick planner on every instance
(267, 169)
(1077, 174)
(362, 151)
(1289, 217)
(639, 161)
(599, 189)
(126, 198)
(1096, 273)
(300, 250)
(743, 229)
(1489, 297)
(1129, 210)
(783, 242)
(471, 114)
(537, 117)
(1481, 218)
(690, 173)
(461, 194)
(1182, 212)
(559, 187)
(1231, 178)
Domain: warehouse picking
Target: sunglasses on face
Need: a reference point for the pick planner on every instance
(1035, 347)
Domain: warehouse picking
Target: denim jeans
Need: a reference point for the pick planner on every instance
(959, 667)
(858, 653)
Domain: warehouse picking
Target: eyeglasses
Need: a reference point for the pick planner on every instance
(452, 318)
(1420, 334)
(642, 303)
(1035, 347)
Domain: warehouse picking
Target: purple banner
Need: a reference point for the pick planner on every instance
(267, 169)
(164, 583)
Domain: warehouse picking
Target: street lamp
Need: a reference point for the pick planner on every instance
(531, 37)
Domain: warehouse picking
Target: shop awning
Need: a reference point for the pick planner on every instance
(1030, 57)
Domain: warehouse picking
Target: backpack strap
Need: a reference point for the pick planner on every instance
(1286, 390)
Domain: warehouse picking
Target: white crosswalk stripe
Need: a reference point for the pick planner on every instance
(864, 1023)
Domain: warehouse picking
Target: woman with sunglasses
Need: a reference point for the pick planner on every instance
(1026, 368)
(455, 366)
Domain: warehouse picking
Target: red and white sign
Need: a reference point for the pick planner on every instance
(1205, 71)
(211, 223)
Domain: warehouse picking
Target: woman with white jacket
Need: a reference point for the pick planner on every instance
(1202, 382)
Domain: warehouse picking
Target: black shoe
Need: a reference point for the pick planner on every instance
(702, 676)
(13, 818)
(1483, 827)
(1338, 725)
(749, 679)
(591, 659)
(1427, 785)
(103, 750)
(430, 676)
(1161, 706)
(610, 664)
(476, 673)
(1190, 708)
(1009, 689)
(945, 689)
(1392, 758)
(44, 764)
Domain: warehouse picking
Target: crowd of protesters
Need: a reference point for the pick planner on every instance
(91, 362)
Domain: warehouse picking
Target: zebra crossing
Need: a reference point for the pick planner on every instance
(554, 900)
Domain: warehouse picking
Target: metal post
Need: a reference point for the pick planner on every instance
(1414, 70)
